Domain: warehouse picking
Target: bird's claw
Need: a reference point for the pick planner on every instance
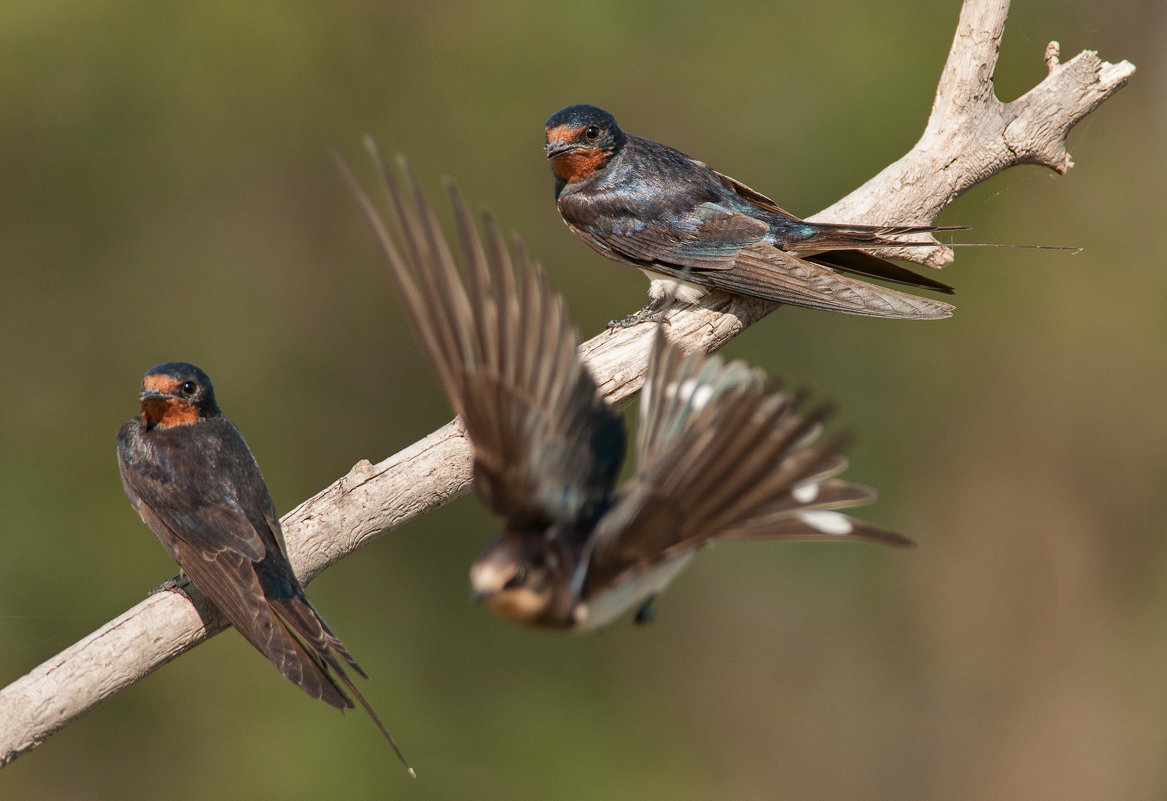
(648, 314)
(177, 583)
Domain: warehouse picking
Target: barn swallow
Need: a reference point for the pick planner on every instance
(690, 229)
(721, 457)
(190, 475)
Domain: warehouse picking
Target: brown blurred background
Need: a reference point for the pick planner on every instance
(166, 193)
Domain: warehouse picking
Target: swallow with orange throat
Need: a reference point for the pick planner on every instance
(723, 456)
(691, 229)
(190, 475)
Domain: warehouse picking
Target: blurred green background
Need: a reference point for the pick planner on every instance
(166, 193)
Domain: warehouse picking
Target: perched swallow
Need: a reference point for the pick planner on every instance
(721, 457)
(690, 228)
(190, 475)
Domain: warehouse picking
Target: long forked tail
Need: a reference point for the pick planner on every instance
(348, 683)
(836, 236)
(328, 654)
(850, 255)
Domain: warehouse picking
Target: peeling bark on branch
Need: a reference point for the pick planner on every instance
(970, 136)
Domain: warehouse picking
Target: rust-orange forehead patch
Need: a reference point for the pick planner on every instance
(160, 383)
(563, 133)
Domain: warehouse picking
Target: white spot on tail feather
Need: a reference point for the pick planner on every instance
(827, 522)
(806, 493)
(698, 394)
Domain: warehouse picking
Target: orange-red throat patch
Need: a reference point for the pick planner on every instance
(167, 411)
(578, 164)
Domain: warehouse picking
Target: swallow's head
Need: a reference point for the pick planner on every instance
(580, 140)
(515, 576)
(175, 394)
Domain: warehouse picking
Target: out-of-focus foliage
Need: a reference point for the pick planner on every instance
(166, 193)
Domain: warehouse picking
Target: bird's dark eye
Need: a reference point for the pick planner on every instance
(188, 387)
(592, 132)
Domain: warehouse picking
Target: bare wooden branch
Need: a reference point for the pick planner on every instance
(970, 136)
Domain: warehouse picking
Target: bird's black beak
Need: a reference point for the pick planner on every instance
(152, 395)
(554, 149)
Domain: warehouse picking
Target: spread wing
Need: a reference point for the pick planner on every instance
(547, 446)
(723, 458)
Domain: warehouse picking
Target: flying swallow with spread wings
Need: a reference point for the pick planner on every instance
(722, 456)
